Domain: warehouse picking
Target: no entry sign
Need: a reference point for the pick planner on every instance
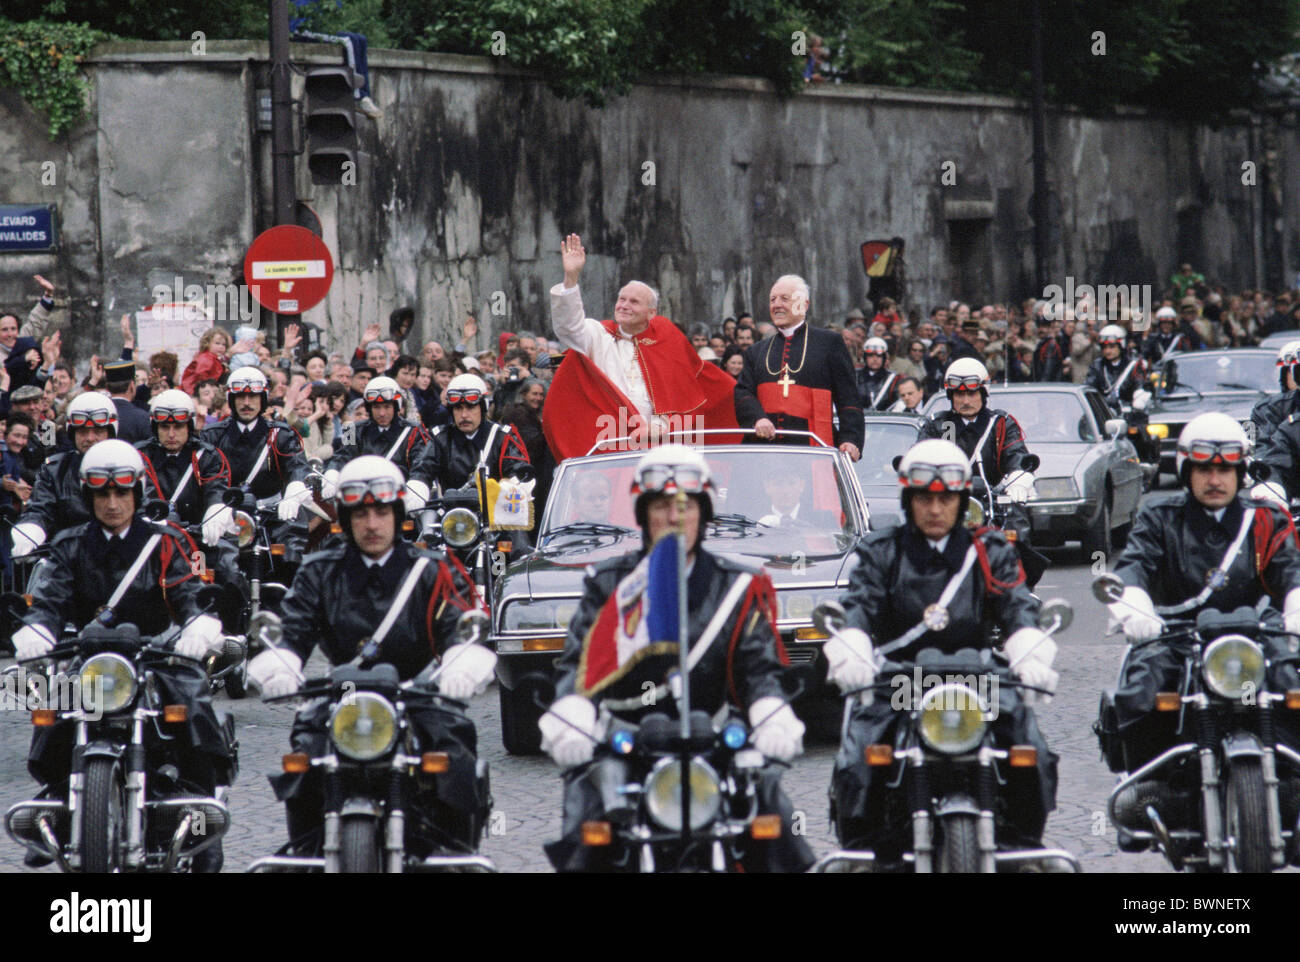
(289, 269)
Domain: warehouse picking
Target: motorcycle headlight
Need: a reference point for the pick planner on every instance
(364, 726)
(663, 794)
(460, 527)
(247, 529)
(974, 513)
(1055, 489)
(108, 683)
(1233, 665)
(952, 719)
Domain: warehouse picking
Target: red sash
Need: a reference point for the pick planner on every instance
(813, 404)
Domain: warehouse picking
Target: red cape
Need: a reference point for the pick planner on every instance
(583, 406)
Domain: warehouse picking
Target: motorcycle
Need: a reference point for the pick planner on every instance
(371, 775)
(991, 506)
(1213, 801)
(944, 809)
(127, 806)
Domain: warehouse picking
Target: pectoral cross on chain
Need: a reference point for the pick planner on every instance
(785, 380)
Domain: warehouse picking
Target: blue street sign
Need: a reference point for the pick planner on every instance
(26, 227)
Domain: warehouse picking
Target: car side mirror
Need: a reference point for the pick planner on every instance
(1115, 427)
(1108, 588)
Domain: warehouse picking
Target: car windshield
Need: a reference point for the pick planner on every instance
(766, 502)
(1229, 371)
(1045, 417)
(884, 442)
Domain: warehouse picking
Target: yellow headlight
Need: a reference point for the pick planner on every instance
(952, 719)
(974, 514)
(247, 530)
(107, 683)
(364, 726)
(1233, 666)
(460, 527)
(1158, 430)
(663, 794)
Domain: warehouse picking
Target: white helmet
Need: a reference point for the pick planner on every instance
(1287, 358)
(876, 345)
(381, 389)
(112, 462)
(1166, 314)
(92, 409)
(934, 465)
(966, 373)
(247, 380)
(668, 469)
(1111, 334)
(369, 478)
(1211, 438)
(172, 405)
(466, 388)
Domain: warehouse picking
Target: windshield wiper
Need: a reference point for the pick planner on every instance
(1243, 387)
(733, 520)
(588, 527)
(1180, 388)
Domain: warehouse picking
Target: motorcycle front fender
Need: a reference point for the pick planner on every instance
(1242, 745)
(361, 806)
(956, 804)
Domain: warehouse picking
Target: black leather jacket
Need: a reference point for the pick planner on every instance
(452, 455)
(370, 439)
(1003, 449)
(208, 481)
(285, 462)
(56, 501)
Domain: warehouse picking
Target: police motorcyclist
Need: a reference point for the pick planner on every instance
(339, 598)
(1116, 377)
(264, 454)
(992, 439)
(1209, 547)
(894, 602)
(877, 385)
(456, 449)
(56, 501)
(86, 564)
(1276, 408)
(383, 433)
(1168, 339)
(742, 667)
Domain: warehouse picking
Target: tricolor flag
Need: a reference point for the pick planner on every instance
(639, 620)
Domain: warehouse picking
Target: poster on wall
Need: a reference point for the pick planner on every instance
(173, 327)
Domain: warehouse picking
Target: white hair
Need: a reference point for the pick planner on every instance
(800, 285)
(654, 294)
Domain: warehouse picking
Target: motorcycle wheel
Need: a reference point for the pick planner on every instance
(101, 820)
(519, 717)
(358, 845)
(1246, 818)
(237, 682)
(960, 851)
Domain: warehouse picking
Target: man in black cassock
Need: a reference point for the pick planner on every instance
(795, 379)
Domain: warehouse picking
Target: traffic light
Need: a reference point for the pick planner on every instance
(331, 124)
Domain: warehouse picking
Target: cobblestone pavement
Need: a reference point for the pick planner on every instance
(527, 790)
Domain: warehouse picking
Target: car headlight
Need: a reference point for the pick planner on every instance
(460, 527)
(952, 719)
(1055, 489)
(799, 605)
(364, 726)
(108, 683)
(247, 529)
(663, 794)
(974, 513)
(1233, 665)
(538, 615)
(1158, 430)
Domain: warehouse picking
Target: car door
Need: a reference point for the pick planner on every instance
(1121, 460)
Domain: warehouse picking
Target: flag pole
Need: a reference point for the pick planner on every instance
(683, 645)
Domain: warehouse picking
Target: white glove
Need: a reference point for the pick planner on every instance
(1264, 491)
(1140, 399)
(329, 485)
(200, 636)
(27, 537)
(851, 665)
(32, 641)
(1291, 611)
(781, 735)
(217, 520)
(1022, 488)
(1031, 653)
(467, 669)
(1136, 614)
(295, 496)
(417, 495)
(566, 746)
(275, 672)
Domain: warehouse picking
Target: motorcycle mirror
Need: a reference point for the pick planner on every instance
(316, 464)
(474, 625)
(898, 459)
(1259, 470)
(266, 626)
(233, 498)
(1030, 462)
(1107, 588)
(156, 510)
(209, 597)
(1056, 614)
(829, 616)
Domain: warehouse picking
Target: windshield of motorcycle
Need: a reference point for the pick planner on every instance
(1230, 371)
(781, 500)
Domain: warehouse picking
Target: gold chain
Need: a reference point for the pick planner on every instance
(767, 361)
